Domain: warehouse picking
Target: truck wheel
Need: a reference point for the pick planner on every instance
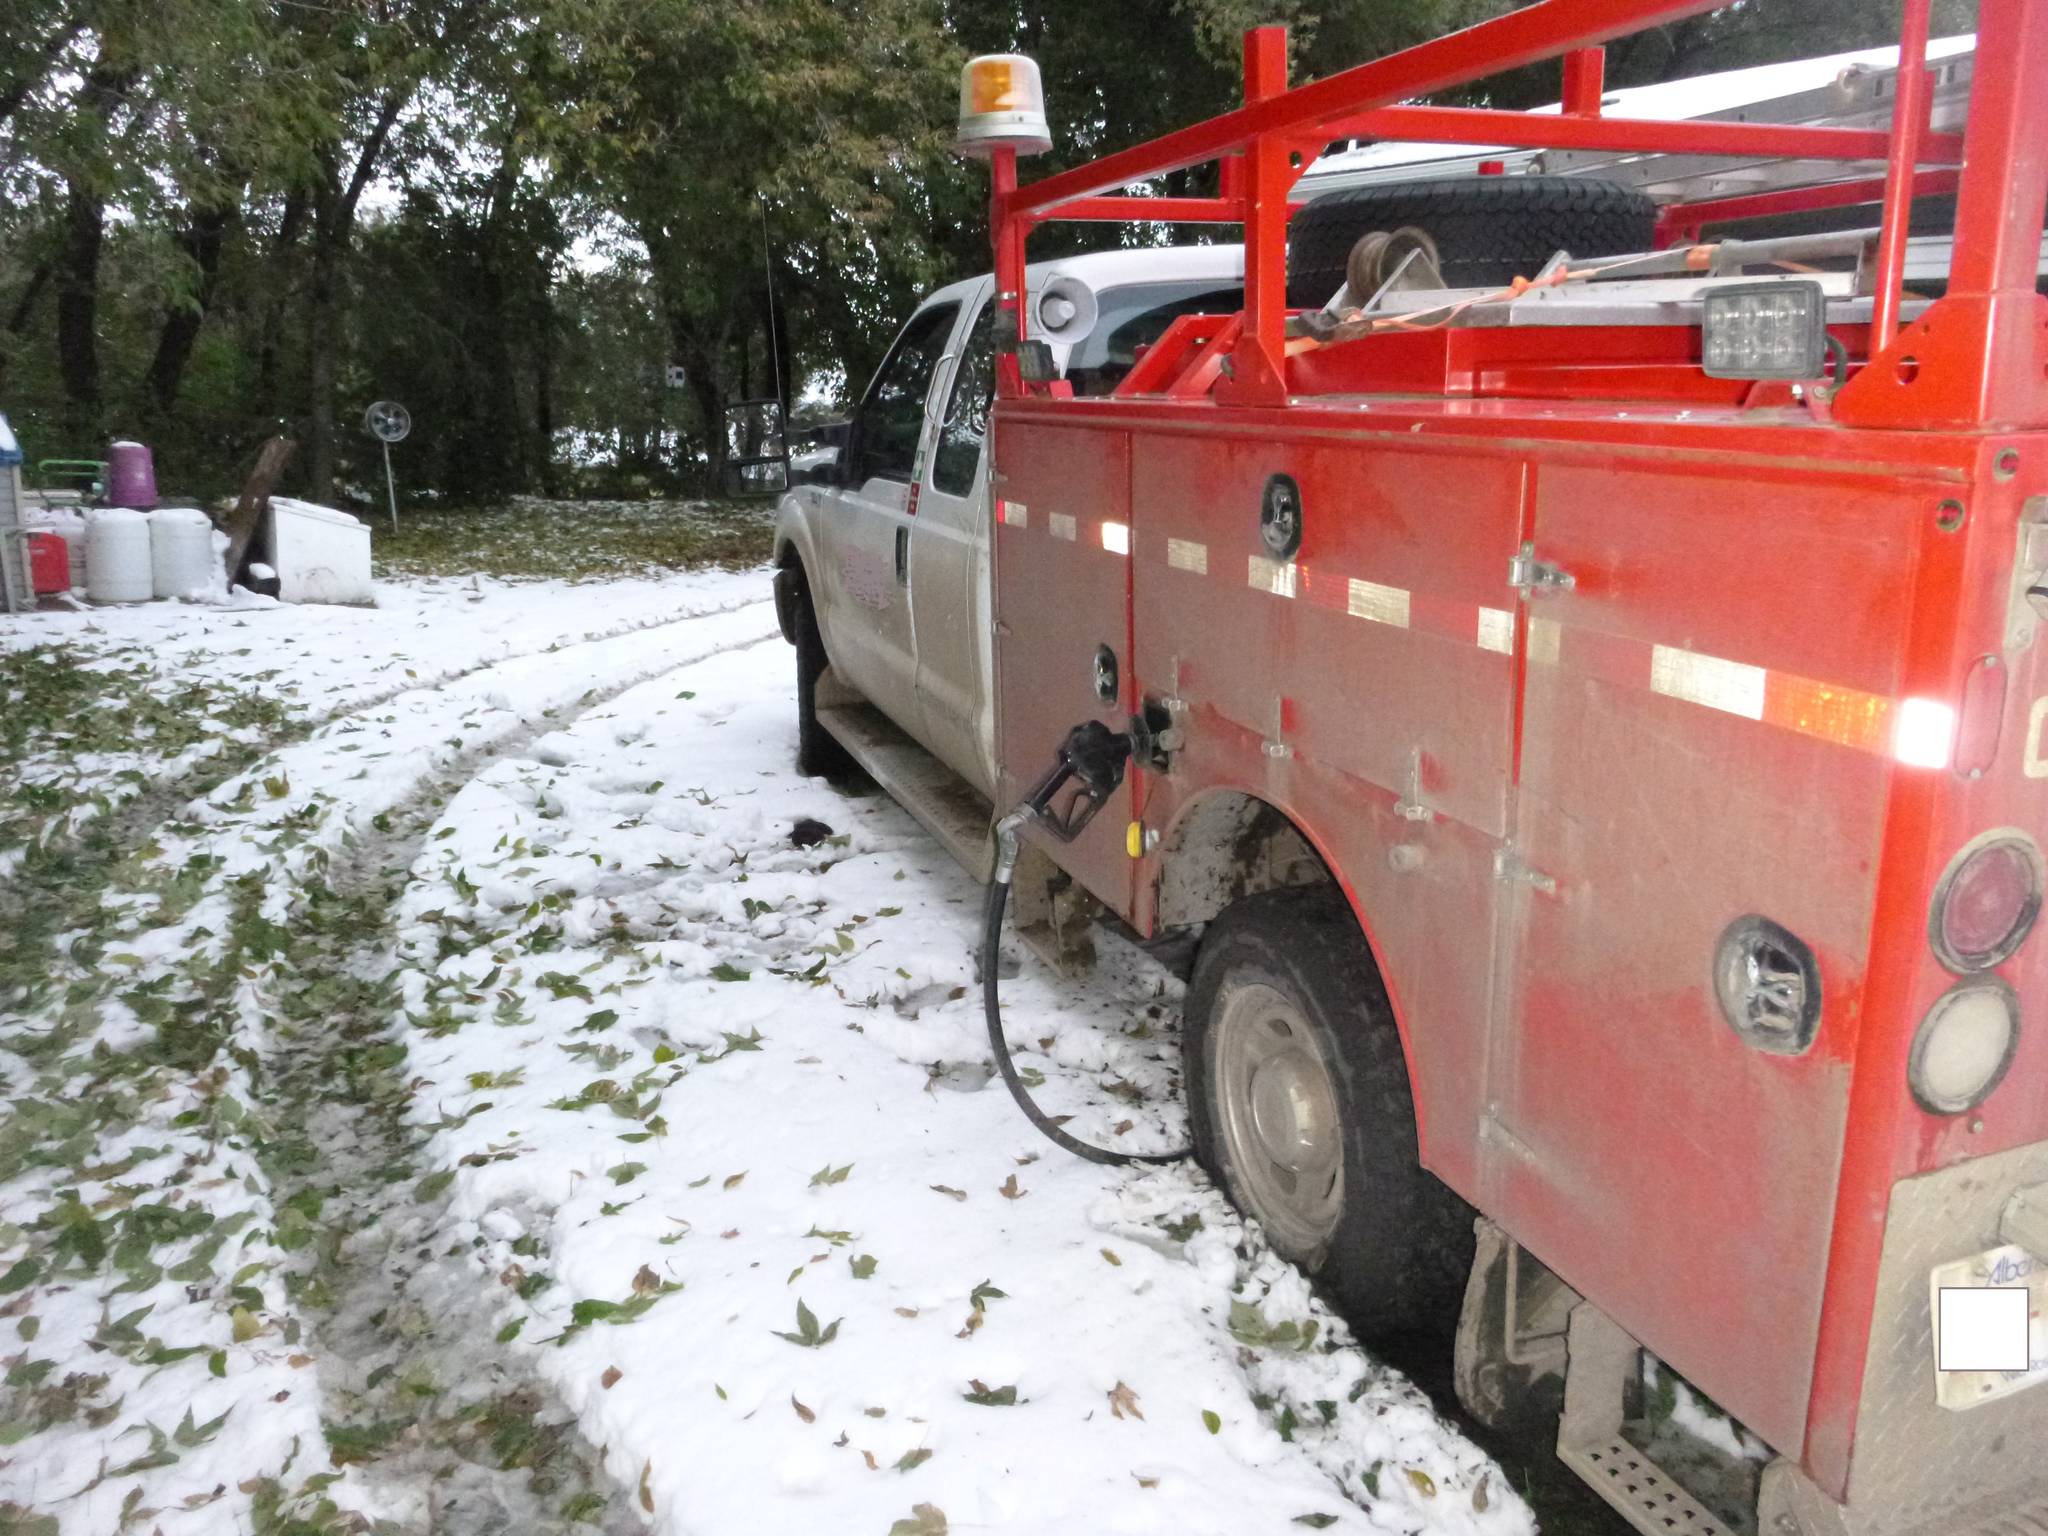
(1299, 1103)
(819, 754)
(1488, 230)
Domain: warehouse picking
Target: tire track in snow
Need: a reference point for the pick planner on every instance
(441, 1420)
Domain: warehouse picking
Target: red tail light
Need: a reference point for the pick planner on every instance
(1987, 901)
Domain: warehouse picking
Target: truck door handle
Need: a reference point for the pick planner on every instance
(902, 557)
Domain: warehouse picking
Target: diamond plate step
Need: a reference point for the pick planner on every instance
(2032, 1521)
(1644, 1496)
(1589, 1439)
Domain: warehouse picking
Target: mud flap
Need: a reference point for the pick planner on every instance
(1511, 1330)
(1055, 916)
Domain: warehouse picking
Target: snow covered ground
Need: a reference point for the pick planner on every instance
(476, 1112)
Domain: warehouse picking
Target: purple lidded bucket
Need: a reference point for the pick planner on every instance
(131, 476)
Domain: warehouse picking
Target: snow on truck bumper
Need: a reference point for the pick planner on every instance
(1959, 1454)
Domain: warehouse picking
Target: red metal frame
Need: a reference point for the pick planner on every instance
(1681, 223)
(1626, 135)
(1264, 145)
(1909, 117)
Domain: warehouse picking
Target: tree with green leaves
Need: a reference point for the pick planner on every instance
(783, 143)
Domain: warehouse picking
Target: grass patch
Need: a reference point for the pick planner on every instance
(53, 704)
(531, 539)
(76, 731)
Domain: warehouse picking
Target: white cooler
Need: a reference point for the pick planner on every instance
(321, 555)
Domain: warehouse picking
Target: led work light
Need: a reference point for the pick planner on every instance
(1772, 330)
(1002, 106)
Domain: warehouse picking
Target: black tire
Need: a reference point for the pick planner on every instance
(1398, 1256)
(1488, 230)
(819, 754)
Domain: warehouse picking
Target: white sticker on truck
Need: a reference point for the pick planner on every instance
(2009, 1268)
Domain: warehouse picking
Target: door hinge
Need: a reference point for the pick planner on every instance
(1528, 575)
(1410, 806)
(1275, 745)
(1508, 865)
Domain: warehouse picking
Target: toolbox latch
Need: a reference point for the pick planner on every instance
(1528, 575)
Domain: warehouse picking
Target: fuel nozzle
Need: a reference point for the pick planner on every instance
(1092, 759)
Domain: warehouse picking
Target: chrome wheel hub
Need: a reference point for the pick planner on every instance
(1280, 1121)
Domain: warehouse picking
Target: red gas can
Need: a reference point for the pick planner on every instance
(49, 562)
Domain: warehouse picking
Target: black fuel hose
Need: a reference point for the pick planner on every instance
(991, 943)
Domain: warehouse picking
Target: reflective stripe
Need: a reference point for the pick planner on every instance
(1546, 641)
(1187, 555)
(1061, 526)
(1733, 686)
(1382, 605)
(1847, 716)
(1497, 631)
(1274, 576)
(1116, 538)
(1014, 514)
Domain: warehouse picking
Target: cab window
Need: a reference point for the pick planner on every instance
(1133, 318)
(958, 455)
(891, 420)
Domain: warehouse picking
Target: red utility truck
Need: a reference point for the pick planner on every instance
(1598, 729)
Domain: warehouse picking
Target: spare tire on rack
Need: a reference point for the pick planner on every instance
(1488, 230)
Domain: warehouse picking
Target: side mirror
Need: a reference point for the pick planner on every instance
(756, 449)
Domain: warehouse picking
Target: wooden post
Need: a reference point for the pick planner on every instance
(255, 501)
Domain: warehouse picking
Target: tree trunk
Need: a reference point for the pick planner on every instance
(334, 226)
(202, 243)
(321, 342)
(505, 443)
(78, 345)
(25, 308)
(289, 223)
(78, 260)
(704, 366)
(544, 385)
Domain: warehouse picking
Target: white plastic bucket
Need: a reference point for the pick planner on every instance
(117, 560)
(181, 553)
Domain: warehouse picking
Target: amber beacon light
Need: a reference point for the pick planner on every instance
(1002, 106)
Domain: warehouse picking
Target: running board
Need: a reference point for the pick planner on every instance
(945, 804)
(1590, 1442)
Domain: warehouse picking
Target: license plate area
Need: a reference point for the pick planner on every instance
(2006, 1268)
